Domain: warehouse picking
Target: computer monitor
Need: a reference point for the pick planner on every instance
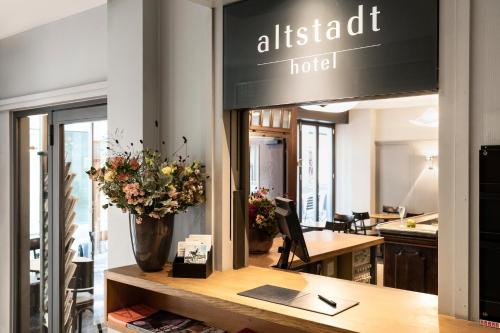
(289, 226)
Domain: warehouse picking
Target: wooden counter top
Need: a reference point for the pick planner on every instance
(426, 226)
(321, 245)
(381, 310)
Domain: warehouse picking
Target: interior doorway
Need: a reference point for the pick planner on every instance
(268, 169)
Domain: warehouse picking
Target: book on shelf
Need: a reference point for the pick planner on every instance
(200, 328)
(144, 319)
(160, 321)
(123, 316)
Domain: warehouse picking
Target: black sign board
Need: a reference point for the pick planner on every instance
(279, 52)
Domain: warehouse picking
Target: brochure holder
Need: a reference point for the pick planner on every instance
(193, 271)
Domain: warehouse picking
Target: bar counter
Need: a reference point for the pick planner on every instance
(215, 301)
(411, 254)
(426, 226)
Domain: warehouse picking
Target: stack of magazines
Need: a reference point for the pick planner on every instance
(142, 318)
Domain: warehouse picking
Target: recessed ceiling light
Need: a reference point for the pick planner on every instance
(430, 118)
(332, 107)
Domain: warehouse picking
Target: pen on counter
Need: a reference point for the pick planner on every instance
(328, 301)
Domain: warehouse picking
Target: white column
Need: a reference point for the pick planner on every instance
(453, 254)
(132, 95)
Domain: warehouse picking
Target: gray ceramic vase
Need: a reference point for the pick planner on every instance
(151, 240)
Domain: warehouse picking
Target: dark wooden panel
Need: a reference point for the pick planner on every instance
(410, 270)
(411, 263)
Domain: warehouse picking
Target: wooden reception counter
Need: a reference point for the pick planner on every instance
(321, 245)
(215, 301)
(345, 251)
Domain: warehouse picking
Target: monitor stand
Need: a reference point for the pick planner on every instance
(285, 253)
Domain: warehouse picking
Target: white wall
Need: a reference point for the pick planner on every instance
(484, 117)
(395, 125)
(355, 163)
(34, 65)
(358, 165)
(404, 178)
(61, 54)
(186, 95)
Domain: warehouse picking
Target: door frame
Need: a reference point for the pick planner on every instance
(317, 124)
(93, 107)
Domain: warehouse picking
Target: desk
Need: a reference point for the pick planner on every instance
(325, 245)
(215, 301)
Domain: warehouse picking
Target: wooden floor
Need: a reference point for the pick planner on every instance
(380, 275)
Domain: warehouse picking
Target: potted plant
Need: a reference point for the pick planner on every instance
(263, 226)
(152, 190)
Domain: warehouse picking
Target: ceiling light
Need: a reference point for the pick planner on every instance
(430, 118)
(332, 107)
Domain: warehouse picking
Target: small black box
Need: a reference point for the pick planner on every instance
(193, 271)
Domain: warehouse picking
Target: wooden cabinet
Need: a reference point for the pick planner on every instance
(411, 263)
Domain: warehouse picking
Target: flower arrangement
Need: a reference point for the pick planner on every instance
(143, 183)
(262, 213)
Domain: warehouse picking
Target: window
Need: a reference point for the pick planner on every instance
(316, 156)
(255, 118)
(254, 167)
(266, 118)
(276, 118)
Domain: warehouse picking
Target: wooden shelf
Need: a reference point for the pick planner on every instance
(119, 328)
(215, 301)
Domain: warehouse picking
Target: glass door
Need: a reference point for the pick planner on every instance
(32, 221)
(61, 233)
(316, 171)
(80, 142)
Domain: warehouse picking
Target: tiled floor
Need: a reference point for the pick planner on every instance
(90, 320)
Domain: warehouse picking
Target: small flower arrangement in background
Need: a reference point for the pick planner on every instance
(143, 183)
(262, 213)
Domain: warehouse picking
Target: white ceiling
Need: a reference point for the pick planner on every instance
(214, 3)
(422, 101)
(20, 15)
(400, 102)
